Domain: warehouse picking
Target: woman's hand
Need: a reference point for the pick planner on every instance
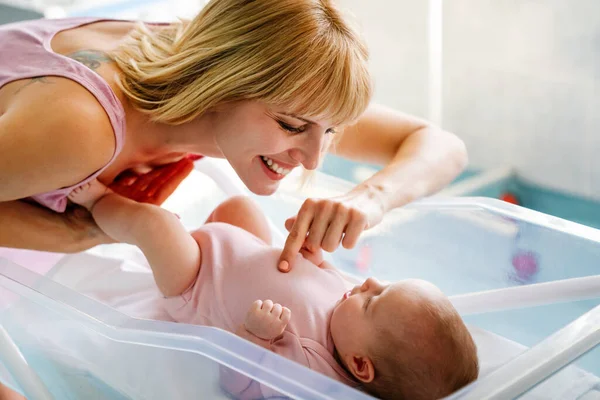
(325, 223)
(155, 186)
(315, 257)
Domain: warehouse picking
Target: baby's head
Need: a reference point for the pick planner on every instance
(403, 340)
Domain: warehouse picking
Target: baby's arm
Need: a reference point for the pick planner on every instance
(264, 322)
(172, 252)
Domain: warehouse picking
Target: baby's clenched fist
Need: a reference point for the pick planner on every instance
(266, 320)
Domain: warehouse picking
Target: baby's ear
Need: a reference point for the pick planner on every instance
(361, 367)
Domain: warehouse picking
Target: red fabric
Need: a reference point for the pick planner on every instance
(157, 185)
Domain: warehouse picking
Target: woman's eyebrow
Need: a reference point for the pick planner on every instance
(300, 118)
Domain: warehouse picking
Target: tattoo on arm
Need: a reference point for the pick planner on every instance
(41, 79)
(91, 58)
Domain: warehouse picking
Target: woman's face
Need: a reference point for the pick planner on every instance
(263, 144)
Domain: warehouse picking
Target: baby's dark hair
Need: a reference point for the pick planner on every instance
(425, 359)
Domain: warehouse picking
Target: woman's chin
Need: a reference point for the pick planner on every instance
(262, 189)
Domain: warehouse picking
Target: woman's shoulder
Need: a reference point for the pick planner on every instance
(56, 128)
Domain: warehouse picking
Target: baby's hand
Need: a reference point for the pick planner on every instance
(266, 320)
(88, 194)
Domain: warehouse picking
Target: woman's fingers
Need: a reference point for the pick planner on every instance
(296, 237)
(319, 225)
(322, 224)
(334, 234)
(289, 223)
(358, 223)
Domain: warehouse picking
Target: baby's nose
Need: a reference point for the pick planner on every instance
(372, 284)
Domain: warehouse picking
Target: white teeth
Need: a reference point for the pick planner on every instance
(273, 166)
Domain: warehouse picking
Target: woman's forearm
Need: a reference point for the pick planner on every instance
(28, 226)
(427, 161)
(419, 158)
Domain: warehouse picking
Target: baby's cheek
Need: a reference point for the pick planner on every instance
(334, 324)
(343, 317)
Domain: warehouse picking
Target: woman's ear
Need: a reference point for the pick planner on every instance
(361, 367)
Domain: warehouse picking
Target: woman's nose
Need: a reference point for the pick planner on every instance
(309, 152)
(308, 161)
(311, 162)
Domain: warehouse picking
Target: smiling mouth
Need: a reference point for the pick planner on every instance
(273, 166)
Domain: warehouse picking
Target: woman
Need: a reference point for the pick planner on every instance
(265, 84)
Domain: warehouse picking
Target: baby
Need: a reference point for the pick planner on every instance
(396, 341)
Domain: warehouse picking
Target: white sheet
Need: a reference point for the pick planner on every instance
(127, 286)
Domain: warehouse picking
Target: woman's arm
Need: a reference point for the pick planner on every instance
(29, 226)
(419, 158)
(52, 135)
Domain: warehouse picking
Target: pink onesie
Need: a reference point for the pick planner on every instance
(237, 269)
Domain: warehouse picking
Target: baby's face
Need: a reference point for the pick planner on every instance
(374, 304)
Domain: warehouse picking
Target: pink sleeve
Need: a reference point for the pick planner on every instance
(244, 388)
(290, 346)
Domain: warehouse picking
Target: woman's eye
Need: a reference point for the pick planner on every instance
(290, 128)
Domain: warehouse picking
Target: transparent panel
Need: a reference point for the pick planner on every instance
(462, 245)
(529, 326)
(572, 382)
(552, 369)
(502, 336)
(516, 276)
(81, 349)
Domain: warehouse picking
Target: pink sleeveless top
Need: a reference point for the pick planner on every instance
(25, 52)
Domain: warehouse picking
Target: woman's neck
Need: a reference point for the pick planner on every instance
(150, 139)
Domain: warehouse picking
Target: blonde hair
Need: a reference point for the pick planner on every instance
(426, 359)
(300, 55)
